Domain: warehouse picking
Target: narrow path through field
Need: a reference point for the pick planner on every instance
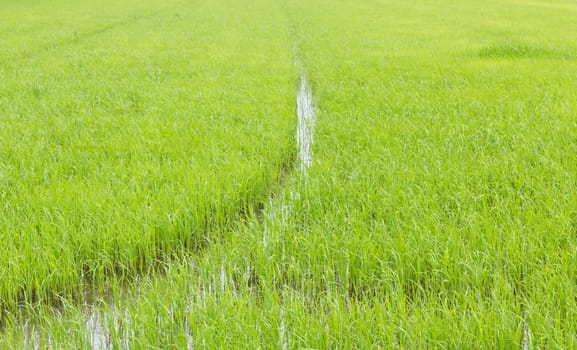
(97, 320)
(76, 38)
(305, 138)
(306, 124)
(526, 332)
(104, 323)
(526, 329)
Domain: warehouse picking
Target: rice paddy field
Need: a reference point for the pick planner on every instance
(367, 174)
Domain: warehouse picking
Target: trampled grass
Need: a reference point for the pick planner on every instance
(439, 210)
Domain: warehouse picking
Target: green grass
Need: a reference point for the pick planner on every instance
(439, 211)
(122, 146)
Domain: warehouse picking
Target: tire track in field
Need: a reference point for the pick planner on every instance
(97, 318)
(101, 337)
(75, 38)
(526, 330)
(305, 125)
(304, 138)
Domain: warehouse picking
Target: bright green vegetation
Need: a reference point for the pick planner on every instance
(124, 144)
(440, 210)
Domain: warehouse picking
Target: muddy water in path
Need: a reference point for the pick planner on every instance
(97, 331)
(526, 335)
(97, 320)
(97, 323)
(305, 131)
(306, 124)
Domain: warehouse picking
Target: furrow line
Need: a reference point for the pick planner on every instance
(306, 124)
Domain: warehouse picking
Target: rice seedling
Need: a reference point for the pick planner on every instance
(437, 210)
(124, 146)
